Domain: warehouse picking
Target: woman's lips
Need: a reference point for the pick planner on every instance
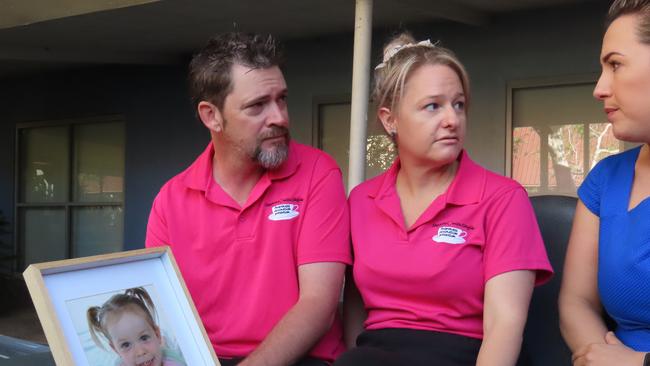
(448, 140)
(610, 112)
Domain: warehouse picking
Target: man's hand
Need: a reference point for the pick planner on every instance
(307, 321)
(611, 352)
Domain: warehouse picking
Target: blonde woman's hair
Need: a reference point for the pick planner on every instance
(402, 56)
(133, 298)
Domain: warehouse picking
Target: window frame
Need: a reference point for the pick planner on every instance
(69, 205)
(317, 103)
(514, 85)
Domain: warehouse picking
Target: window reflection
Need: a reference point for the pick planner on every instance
(71, 191)
(568, 153)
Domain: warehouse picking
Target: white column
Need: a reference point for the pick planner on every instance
(360, 92)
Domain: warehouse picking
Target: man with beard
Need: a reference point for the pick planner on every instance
(258, 224)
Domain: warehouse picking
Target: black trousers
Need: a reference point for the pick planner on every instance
(307, 361)
(396, 347)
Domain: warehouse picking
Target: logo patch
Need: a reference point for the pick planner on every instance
(450, 235)
(284, 211)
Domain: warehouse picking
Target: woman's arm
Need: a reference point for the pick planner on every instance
(354, 312)
(581, 321)
(507, 297)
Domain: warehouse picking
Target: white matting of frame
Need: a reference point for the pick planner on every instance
(54, 285)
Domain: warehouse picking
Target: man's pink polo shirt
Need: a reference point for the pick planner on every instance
(432, 276)
(240, 264)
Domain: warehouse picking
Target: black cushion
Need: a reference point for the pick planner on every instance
(543, 343)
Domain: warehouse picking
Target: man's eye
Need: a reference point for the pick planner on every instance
(255, 108)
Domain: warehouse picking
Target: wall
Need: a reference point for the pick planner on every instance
(163, 137)
(549, 43)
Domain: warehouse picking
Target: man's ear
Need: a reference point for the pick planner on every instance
(210, 116)
(387, 120)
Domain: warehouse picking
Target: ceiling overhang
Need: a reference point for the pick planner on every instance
(16, 13)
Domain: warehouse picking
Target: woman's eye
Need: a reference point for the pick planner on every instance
(125, 345)
(431, 107)
(459, 105)
(145, 337)
(614, 65)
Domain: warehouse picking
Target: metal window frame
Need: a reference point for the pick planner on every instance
(69, 204)
(316, 124)
(559, 81)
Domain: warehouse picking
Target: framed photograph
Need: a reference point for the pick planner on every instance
(121, 309)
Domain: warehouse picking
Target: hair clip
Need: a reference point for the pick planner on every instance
(393, 51)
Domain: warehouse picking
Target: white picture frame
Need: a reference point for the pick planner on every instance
(62, 291)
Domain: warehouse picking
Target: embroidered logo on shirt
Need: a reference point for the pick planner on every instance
(284, 211)
(450, 235)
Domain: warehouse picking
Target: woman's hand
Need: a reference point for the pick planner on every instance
(612, 352)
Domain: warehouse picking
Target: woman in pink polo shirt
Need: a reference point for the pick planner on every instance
(446, 253)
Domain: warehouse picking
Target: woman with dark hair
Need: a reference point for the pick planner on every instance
(608, 259)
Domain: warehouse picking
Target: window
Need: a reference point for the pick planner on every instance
(558, 133)
(70, 189)
(332, 126)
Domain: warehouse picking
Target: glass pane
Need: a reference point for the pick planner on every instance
(44, 164)
(97, 230)
(602, 142)
(6, 246)
(43, 234)
(566, 158)
(552, 105)
(380, 154)
(334, 120)
(99, 156)
(526, 158)
(335, 133)
(380, 150)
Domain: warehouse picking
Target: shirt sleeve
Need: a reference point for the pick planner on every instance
(589, 191)
(513, 241)
(325, 232)
(157, 234)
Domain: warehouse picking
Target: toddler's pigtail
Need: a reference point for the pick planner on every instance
(94, 325)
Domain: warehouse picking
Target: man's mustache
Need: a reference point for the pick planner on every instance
(274, 131)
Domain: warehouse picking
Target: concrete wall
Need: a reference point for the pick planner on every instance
(163, 137)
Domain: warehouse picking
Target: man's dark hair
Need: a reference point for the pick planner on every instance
(210, 69)
(641, 8)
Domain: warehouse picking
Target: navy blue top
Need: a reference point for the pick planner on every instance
(623, 248)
